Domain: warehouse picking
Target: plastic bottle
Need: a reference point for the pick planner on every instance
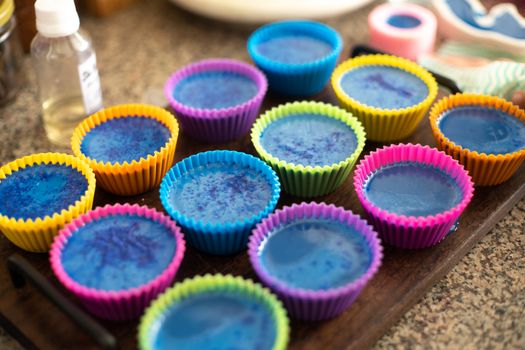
(66, 69)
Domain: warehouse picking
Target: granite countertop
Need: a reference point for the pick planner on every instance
(479, 304)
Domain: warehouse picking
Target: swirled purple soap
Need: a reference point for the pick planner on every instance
(215, 320)
(309, 139)
(482, 129)
(125, 139)
(39, 190)
(384, 87)
(220, 193)
(215, 90)
(315, 254)
(118, 252)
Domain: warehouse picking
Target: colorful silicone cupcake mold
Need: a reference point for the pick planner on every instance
(296, 56)
(253, 317)
(408, 231)
(216, 100)
(305, 180)
(320, 301)
(106, 301)
(398, 120)
(218, 196)
(28, 229)
(486, 168)
(131, 176)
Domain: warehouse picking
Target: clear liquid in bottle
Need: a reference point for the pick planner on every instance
(66, 69)
(61, 115)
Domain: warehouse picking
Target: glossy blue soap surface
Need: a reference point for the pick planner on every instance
(412, 189)
(118, 252)
(294, 49)
(215, 320)
(40, 190)
(220, 193)
(403, 21)
(125, 139)
(484, 130)
(315, 254)
(309, 139)
(384, 87)
(215, 90)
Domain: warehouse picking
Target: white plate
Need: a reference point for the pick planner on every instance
(260, 11)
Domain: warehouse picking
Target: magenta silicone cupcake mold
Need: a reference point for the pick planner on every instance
(117, 304)
(217, 124)
(310, 304)
(412, 232)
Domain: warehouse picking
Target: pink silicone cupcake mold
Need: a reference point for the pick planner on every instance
(224, 121)
(412, 232)
(119, 304)
(314, 303)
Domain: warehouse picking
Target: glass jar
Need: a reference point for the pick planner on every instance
(10, 53)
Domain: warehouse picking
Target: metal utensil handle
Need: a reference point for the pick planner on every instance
(450, 84)
(21, 271)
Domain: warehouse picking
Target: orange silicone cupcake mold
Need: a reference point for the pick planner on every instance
(485, 169)
(137, 176)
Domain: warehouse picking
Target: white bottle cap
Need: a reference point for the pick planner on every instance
(56, 18)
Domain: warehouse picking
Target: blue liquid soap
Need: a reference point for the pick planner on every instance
(125, 139)
(412, 189)
(309, 139)
(220, 193)
(294, 49)
(403, 21)
(315, 254)
(384, 87)
(215, 90)
(118, 252)
(215, 320)
(482, 129)
(40, 190)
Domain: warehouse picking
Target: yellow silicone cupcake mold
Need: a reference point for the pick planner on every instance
(385, 125)
(137, 176)
(485, 169)
(38, 234)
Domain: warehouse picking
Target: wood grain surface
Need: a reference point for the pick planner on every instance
(406, 275)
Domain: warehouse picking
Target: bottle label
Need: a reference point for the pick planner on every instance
(90, 85)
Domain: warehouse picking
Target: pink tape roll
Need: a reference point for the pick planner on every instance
(405, 30)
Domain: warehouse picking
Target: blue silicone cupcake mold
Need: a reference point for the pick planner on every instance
(296, 79)
(217, 211)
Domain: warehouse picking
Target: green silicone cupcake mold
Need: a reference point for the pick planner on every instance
(306, 180)
(216, 284)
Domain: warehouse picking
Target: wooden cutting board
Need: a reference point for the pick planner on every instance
(404, 278)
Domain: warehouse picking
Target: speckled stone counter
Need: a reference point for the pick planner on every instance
(479, 304)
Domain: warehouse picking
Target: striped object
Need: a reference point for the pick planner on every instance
(499, 78)
(456, 48)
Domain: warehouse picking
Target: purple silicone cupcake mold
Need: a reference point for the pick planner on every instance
(314, 304)
(117, 304)
(412, 232)
(220, 124)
